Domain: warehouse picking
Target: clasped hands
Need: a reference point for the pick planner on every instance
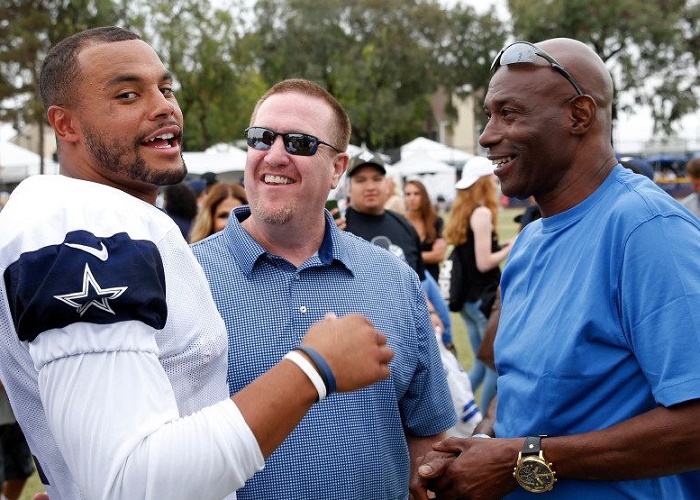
(466, 469)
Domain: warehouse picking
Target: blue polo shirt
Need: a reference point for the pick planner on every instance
(353, 445)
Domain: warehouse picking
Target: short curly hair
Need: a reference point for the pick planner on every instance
(60, 72)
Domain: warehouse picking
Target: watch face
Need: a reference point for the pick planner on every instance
(534, 475)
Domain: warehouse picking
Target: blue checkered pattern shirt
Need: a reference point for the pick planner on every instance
(349, 446)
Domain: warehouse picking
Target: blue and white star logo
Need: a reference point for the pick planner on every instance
(92, 295)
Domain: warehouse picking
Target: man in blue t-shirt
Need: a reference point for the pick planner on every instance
(599, 335)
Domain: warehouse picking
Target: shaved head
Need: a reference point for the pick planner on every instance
(549, 138)
(588, 69)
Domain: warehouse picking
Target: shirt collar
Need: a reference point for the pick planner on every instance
(247, 252)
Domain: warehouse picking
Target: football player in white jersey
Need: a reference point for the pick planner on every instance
(111, 348)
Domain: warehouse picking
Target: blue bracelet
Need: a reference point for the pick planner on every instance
(323, 369)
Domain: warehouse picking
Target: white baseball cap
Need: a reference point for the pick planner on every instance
(476, 167)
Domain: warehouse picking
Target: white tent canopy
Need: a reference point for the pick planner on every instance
(435, 150)
(17, 163)
(421, 163)
(437, 176)
(232, 160)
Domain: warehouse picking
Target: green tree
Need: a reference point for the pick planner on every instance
(376, 57)
(650, 46)
(470, 43)
(217, 79)
(28, 29)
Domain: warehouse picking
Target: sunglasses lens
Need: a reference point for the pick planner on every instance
(301, 144)
(260, 138)
(518, 53)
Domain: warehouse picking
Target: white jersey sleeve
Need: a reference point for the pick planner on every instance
(112, 350)
(122, 437)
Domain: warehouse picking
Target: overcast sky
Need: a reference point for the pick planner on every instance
(631, 133)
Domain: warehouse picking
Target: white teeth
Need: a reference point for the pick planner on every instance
(501, 161)
(277, 179)
(163, 137)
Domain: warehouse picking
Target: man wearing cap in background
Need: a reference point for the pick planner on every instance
(367, 218)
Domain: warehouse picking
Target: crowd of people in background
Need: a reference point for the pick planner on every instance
(470, 235)
(308, 352)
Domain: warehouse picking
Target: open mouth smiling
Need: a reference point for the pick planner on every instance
(162, 141)
(503, 160)
(277, 179)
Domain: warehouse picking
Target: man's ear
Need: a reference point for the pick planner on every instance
(340, 165)
(583, 114)
(61, 119)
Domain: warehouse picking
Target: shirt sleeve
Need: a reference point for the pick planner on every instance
(115, 419)
(89, 309)
(660, 293)
(426, 407)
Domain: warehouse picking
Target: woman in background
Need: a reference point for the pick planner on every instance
(216, 209)
(422, 216)
(421, 213)
(471, 228)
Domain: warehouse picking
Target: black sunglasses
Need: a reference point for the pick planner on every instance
(295, 143)
(525, 52)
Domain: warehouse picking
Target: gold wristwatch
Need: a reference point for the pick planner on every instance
(533, 472)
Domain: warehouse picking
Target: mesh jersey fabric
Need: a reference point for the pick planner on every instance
(95, 279)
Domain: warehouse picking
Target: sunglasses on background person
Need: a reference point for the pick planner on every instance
(295, 143)
(525, 52)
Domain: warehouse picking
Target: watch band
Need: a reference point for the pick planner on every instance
(532, 445)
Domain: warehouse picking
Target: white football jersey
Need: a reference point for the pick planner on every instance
(111, 346)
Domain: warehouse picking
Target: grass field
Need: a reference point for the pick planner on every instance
(507, 229)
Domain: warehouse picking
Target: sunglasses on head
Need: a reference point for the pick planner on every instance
(295, 143)
(525, 52)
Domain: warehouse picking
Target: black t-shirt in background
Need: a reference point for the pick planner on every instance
(391, 231)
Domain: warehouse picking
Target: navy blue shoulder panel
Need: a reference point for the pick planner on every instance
(87, 279)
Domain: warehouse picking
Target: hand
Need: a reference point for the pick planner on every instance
(419, 485)
(356, 353)
(40, 496)
(479, 469)
(340, 221)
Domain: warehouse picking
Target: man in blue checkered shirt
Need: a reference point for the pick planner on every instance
(282, 264)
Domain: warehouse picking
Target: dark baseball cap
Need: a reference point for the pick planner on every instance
(365, 158)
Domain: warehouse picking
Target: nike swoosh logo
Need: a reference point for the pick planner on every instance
(101, 253)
